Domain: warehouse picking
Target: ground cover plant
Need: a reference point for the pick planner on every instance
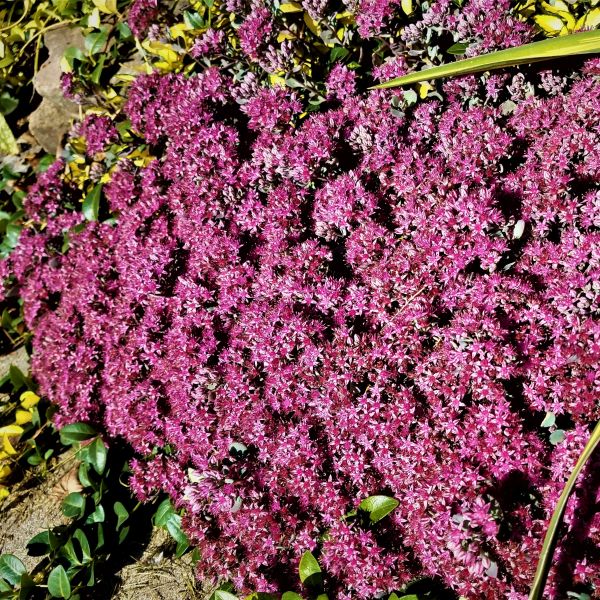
(287, 312)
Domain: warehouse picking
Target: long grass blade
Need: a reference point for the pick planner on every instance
(586, 42)
(541, 574)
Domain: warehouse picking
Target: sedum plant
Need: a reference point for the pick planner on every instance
(283, 314)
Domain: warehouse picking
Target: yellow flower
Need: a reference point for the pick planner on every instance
(29, 399)
(23, 416)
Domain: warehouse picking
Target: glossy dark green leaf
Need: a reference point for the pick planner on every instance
(26, 585)
(58, 583)
(121, 512)
(68, 551)
(77, 432)
(17, 378)
(378, 507)
(84, 544)
(123, 534)
(309, 570)
(11, 568)
(96, 454)
(73, 505)
(163, 513)
(458, 48)
(97, 516)
(91, 203)
(42, 543)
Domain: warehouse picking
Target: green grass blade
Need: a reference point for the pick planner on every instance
(586, 42)
(541, 574)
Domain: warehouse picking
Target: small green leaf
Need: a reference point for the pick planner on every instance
(122, 514)
(123, 534)
(549, 420)
(378, 507)
(291, 596)
(77, 432)
(17, 378)
(309, 570)
(11, 568)
(73, 505)
(96, 454)
(58, 583)
(7, 103)
(97, 516)
(556, 437)
(91, 203)
(458, 48)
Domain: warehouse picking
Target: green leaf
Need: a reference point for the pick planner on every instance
(96, 41)
(338, 53)
(378, 507)
(96, 454)
(557, 436)
(17, 378)
(541, 574)
(458, 48)
(586, 42)
(68, 551)
(291, 596)
(8, 144)
(91, 203)
(122, 514)
(549, 420)
(97, 516)
(174, 528)
(73, 506)
(26, 586)
(7, 103)
(100, 536)
(80, 536)
(124, 31)
(58, 583)
(11, 568)
(163, 513)
(84, 475)
(77, 432)
(309, 570)
(42, 543)
(123, 534)
(45, 162)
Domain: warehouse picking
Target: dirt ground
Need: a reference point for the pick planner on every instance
(34, 505)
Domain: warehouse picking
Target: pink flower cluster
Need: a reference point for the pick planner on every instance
(291, 313)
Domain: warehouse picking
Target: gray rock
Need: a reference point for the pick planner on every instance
(50, 122)
(52, 119)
